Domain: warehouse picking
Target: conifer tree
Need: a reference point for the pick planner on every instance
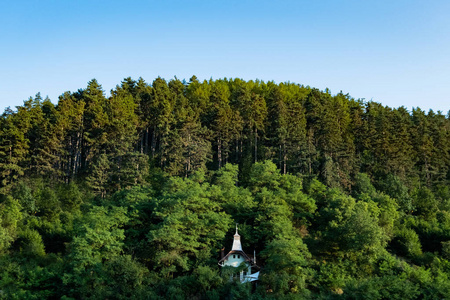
(70, 112)
(95, 120)
(14, 147)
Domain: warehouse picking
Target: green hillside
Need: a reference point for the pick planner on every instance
(134, 195)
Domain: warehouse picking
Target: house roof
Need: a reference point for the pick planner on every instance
(245, 256)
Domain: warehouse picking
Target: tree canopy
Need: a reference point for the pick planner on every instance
(133, 195)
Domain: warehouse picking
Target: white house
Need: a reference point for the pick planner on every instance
(236, 256)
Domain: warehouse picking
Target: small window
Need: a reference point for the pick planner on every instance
(239, 256)
(234, 256)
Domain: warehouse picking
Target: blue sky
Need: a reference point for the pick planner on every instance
(393, 52)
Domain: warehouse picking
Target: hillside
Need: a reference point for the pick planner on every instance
(132, 196)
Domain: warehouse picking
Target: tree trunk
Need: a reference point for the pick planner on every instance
(76, 155)
(142, 142)
(240, 152)
(153, 141)
(237, 151)
(309, 152)
(146, 141)
(280, 156)
(219, 152)
(188, 169)
(256, 145)
(226, 156)
(427, 173)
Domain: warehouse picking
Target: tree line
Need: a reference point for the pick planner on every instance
(185, 126)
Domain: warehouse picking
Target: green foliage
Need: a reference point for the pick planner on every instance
(99, 178)
(162, 240)
(70, 196)
(446, 250)
(406, 242)
(286, 259)
(98, 239)
(48, 204)
(10, 216)
(133, 195)
(24, 194)
(388, 287)
(13, 145)
(347, 228)
(190, 225)
(29, 243)
(363, 185)
(425, 203)
(394, 187)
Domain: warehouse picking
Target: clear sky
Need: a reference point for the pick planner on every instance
(395, 52)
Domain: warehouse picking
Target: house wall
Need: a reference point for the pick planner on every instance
(234, 260)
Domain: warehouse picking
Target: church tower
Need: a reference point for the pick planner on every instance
(237, 256)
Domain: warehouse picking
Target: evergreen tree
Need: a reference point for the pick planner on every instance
(13, 147)
(95, 120)
(70, 112)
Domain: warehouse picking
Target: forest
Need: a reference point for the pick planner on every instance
(133, 195)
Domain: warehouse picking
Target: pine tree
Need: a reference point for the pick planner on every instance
(13, 147)
(100, 174)
(95, 120)
(161, 118)
(48, 159)
(70, 113)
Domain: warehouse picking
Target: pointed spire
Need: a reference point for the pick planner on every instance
(237, 241)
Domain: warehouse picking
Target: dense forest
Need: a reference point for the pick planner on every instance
(134, 195)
